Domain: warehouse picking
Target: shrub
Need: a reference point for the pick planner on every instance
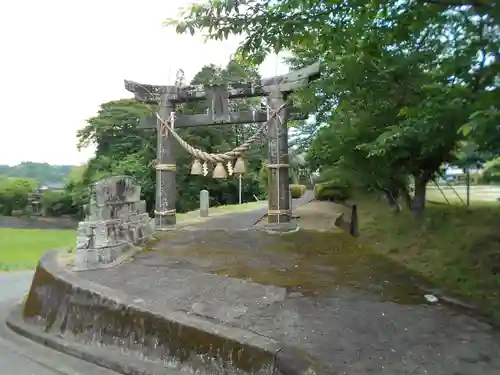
(14, 194)
(17, 213)
(327, 175)
(297, 190)
(491, 174)
(335, 191)
(57, 203)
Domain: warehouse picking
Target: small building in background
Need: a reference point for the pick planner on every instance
(457, 175)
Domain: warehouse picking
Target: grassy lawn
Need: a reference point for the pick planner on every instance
(22, 248)
(455, 247)
(458, 194)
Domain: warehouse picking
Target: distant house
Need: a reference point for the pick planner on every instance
(456, 174)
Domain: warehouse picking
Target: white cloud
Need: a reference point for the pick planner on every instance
(61, 59)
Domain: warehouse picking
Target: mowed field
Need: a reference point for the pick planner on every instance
(478, 193)
(22, 248)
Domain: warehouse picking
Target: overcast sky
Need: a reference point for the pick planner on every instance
(60, 59)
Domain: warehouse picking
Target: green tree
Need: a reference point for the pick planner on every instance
(121, 148)
(216, 139)
(492, 171)
(45, 173)
(400, 79)
(14, 193)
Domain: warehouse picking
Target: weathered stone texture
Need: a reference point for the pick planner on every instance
(116, 222)
(204, 203)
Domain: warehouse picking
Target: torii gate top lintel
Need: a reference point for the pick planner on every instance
(285, 83)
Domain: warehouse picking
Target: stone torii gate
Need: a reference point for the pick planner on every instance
(276, 89)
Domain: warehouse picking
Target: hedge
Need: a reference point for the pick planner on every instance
(14, 193)
(335, 191)
(57, 203)
(297, 190)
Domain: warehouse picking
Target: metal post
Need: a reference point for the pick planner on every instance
(239, 188)
(467, 176)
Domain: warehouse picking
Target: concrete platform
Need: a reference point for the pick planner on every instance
(128, 334)
(209, 300)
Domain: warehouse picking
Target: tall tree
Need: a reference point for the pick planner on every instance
(121, 148)
(400, 77)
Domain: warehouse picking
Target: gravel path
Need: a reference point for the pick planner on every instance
(244, 220)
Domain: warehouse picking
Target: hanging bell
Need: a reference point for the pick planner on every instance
(239, 166)
(196, 168)
(219, 171)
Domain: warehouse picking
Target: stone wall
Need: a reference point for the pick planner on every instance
(116, 223)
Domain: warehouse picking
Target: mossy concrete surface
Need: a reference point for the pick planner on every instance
(309, 262)
(322, 292)
(126, 334)
(319, 300)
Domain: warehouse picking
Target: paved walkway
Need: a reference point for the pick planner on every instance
(246, 219)
(20, 356)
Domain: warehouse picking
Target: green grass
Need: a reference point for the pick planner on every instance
(22, 248)
(455, 247)
(479, 195)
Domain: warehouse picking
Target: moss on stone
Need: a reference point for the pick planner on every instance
(310, 262)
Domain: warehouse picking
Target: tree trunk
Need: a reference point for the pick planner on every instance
(391, 195)
(407, 197)
(392, 199)
(418, 202)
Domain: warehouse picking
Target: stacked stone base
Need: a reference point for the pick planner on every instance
(101, 243)
(115, 225)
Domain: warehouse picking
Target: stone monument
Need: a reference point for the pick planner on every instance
(116, 223)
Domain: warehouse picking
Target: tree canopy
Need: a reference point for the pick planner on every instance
(405, 84)
(45, 173)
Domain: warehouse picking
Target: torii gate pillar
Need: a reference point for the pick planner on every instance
(279, 210)
(166, 191)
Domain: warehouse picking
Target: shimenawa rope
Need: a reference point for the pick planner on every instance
(223, 157)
